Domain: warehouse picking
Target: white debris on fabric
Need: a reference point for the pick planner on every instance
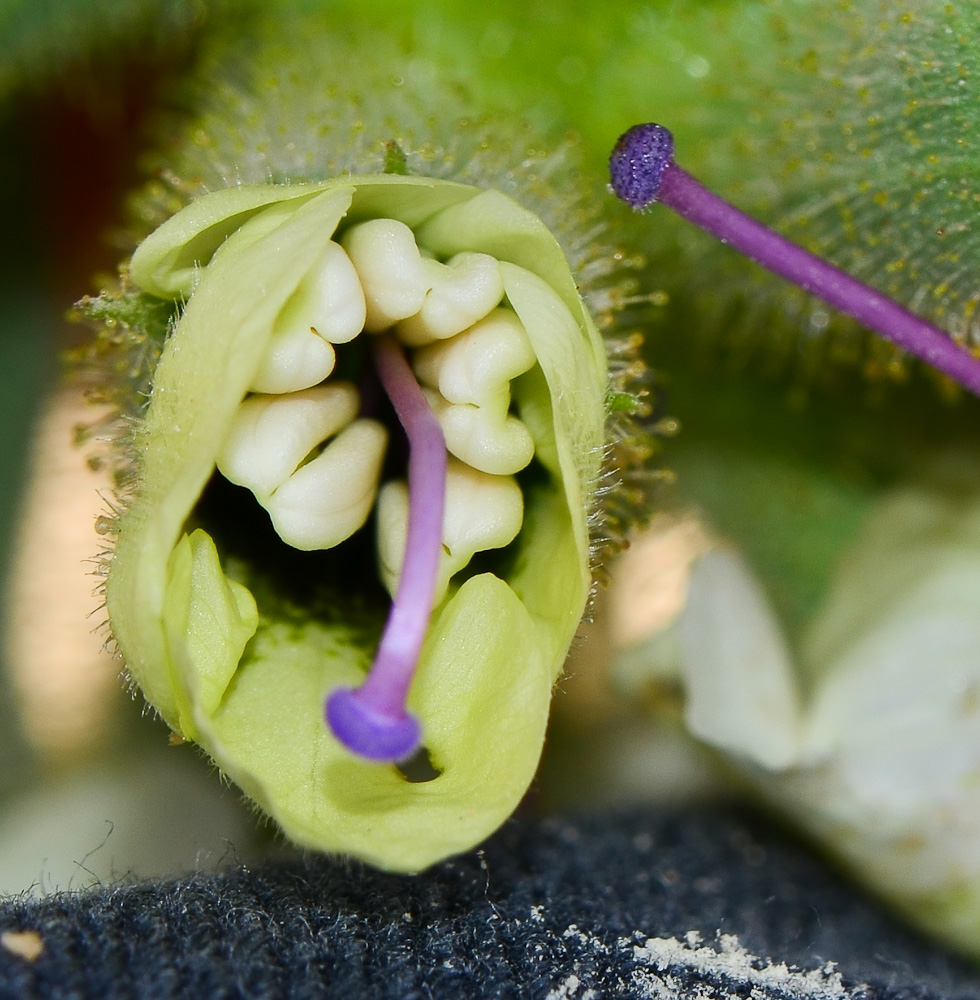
(669, 968)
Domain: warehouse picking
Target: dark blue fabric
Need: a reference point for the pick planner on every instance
(552, 908)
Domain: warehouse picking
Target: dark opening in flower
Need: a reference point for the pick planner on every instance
(642, 171)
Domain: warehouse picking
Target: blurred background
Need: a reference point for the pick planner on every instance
(89, 788)
(792, 422)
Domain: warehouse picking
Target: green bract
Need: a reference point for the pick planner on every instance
(246, 676)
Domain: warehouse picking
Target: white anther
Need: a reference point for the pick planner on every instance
(328, 499)
(477, 365)
(295, 359)
(327, 308)
(391, 270)
(482, 512)
(487, 438)
(271, 435)
(464, 290)
(337, 309)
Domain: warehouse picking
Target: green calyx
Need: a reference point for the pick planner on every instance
(244, 674)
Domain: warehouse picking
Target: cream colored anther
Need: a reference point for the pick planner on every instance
(271, 435)
(477, 365)
(334, 298)
(392, 272)
(487, 438)
(327, 308)
(294, 360)
(328, 499)
(469, 378)
(482, 512)
(464, 290)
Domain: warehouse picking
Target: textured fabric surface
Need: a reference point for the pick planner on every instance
(635, 904)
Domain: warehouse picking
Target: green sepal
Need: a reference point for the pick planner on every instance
(249, 685)
(132, 308)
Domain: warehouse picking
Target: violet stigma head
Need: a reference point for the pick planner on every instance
(638, 162)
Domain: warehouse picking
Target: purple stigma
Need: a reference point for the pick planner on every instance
(372, 720)
(638, 162)
(642, 170)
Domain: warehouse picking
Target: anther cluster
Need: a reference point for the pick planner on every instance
(300, 443)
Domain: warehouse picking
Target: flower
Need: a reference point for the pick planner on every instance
(243, 669)
(865, 733)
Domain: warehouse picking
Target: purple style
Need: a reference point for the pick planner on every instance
(372, 720)
(642, 171)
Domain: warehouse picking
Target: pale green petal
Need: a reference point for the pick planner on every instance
(509, 232)
(209, 619)
(202, 376)
(483, 693)
(167, 263)
(575, 383)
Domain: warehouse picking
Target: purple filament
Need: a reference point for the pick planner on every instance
(372, 720)
(642, 171)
